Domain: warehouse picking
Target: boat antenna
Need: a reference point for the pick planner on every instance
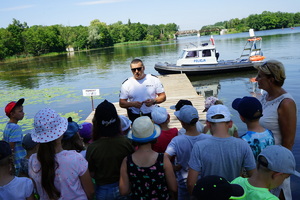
(193, 44)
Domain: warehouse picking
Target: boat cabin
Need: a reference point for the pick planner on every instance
(204, 54)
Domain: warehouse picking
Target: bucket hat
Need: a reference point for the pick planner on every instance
(280, 159)
(248, 107)
(48, 126)
(159, 115)
(143, 130)
(217, 188)
(125, 122)
(218, 110)
(209, 101)
(11, 105)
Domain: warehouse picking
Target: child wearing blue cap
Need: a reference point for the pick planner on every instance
(250, 110)
(71, 139)
(146, 174)
(181, 146)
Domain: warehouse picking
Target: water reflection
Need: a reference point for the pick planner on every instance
(210, 85)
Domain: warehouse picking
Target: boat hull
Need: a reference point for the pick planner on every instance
(221, 67)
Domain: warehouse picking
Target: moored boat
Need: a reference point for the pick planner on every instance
(203, 59)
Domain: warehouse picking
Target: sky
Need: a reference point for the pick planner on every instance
(188, 14)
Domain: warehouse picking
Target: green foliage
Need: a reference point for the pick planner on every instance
(264, 21)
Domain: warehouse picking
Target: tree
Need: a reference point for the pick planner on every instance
(16, 29)
(99, 35)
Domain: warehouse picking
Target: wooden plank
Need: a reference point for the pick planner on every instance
(177, 86)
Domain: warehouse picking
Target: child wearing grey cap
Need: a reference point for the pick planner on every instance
(275, 164)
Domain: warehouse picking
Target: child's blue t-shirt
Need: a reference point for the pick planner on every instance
(13, 133)
(258, 141)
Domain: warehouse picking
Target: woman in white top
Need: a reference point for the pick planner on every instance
(279, 110)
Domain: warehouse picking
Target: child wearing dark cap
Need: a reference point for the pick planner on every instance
(31, 147)
(13, 132)
(216, 188)
(12, 187)
(250, 110)
(178, 106)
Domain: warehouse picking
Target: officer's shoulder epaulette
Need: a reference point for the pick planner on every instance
(125, 81)
(154, 75)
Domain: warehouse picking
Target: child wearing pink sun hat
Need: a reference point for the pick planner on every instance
(58, 174)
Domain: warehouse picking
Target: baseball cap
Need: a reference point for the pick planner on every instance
(187, 114)
(72, 129)
(159, 115)
(144, 130)
(248, 107)
(11, 105)
(106, 114)
(4, 149)
(181, 103)
(280, 159)
(218, 110)
(217, 188)
(86, 131)
(27, 141)
(209, 101)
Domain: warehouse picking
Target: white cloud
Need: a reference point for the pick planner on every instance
(98, 2)
(17, 8)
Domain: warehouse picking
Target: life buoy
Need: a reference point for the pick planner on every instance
(254, 39)
(256, 58)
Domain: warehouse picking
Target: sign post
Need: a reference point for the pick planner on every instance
(91, 93)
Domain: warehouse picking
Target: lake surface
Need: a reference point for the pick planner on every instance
(57, 82)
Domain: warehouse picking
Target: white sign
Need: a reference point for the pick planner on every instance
(91, 92)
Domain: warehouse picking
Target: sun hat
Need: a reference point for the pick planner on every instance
(218, 110)
(86, 131)
(248, 107)
(143, 130)
(159, 115)
(27, 141)
(217, 188)
(4, 149)
(187, 114)
(125, 122)
(72, 129)
(11, 105)
(48, 126)
(279, 159)
(181, 103)
(209, 101)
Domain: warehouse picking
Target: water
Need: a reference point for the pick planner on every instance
(57, 82)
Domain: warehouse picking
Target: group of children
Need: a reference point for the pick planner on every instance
(196, 162)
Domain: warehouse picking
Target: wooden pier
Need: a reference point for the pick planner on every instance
(177, 86)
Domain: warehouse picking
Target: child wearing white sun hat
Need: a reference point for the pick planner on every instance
(139, 169)
(67, 173)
